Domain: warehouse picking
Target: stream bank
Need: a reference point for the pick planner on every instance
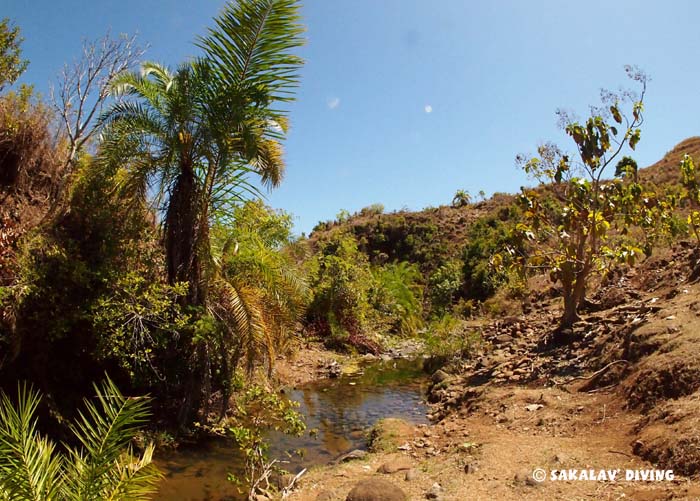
(338, 413)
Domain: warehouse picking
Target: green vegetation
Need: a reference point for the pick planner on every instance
(102, 466)
(11, 63)
(691, 195)
(257, 412)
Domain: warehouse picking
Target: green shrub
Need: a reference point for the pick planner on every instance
(486, 237)
(399, 296)
(444, 285)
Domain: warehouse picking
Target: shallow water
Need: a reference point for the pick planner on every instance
(340, 409)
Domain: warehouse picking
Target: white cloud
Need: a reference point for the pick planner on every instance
(333, 103)
(428, 108)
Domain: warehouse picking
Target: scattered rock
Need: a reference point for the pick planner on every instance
(334, 369)
(376, 489)
(533, 407)
(394, 465)
(503, 339)
(411, 475)
(434, 492)
(470, 468)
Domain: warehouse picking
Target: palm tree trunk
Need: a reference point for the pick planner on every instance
(181, 237)
(182, 240)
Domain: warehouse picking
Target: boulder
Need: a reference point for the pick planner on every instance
(375, 489)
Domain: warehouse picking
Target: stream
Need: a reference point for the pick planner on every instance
(341, 410)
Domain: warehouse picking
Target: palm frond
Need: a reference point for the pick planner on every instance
(104, 463)
(251, 47)
(29, 467)
(239, 307)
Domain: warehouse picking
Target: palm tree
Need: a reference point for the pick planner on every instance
(187, 140)
(103, 466)
(192, 136)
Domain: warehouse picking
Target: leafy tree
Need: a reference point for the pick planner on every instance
(259, 411)
(691, 194)
(571, 218)
(11, 63)
(486, 237)
(262, 291)
(103, 465)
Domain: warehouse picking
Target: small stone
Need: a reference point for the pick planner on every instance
(398, 464)
(352, 455)
(503, 339)
(470, 468)
(434, 492)
(410, 475)
(533, 407)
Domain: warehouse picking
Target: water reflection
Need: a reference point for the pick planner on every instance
(340, 410)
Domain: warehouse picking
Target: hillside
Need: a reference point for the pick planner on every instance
(665, 171)
(436, 234)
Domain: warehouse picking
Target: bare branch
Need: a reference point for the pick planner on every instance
(83, 86)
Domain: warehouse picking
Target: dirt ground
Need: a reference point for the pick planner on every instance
(482, 456)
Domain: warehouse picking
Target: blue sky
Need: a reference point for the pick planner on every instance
(403, 102)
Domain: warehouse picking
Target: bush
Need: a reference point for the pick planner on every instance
(399, 296)
(444, 284)
(341, 281)
(486, 237)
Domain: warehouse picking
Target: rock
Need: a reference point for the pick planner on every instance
(503, 339)
(325, 496)
(470, 468)
(356, 454)
(281, 480)
(376, 489)
(388, 434)
(334, 369)
(502, 418)
(533, 407)
(394, 465)
(410, 475)
(434, 492)
(439, 376)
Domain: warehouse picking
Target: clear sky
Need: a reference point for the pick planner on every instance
(405, 101)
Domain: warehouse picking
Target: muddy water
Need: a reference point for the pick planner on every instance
(338, 410)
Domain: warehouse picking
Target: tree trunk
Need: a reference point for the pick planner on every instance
(182, 241)
(181, 238)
